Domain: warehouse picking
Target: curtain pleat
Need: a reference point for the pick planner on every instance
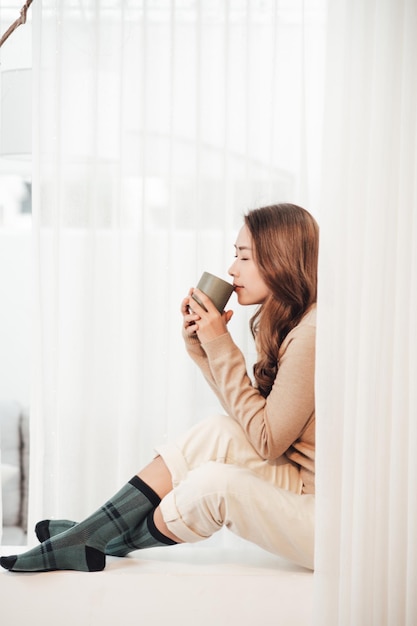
(157, 126)
(366, 514)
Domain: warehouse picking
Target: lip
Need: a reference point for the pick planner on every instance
(236, 287)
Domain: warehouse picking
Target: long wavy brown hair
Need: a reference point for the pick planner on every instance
(285, 238)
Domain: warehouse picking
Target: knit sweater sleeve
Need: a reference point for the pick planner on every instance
(199, 356)
(274, 423)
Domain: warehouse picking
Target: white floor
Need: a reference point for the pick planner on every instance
(185, 585)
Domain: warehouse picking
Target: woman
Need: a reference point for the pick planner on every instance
(251, 470)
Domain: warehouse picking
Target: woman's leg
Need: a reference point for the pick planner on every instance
(216, 495)
(83, 546)
(163, 528)
(158, 477)
(150, 532)
(218, 438)
(221, 439)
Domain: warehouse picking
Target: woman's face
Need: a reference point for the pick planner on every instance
(249, 285)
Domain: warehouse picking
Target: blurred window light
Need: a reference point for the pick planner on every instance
(15, 201)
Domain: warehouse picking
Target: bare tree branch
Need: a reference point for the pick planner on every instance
(18, 22)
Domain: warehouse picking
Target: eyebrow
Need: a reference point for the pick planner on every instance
(242, 247)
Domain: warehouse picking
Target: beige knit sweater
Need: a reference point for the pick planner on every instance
(282, 423)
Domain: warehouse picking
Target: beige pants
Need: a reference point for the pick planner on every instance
(220, 480)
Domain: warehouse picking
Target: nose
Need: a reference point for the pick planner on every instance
(232, 270)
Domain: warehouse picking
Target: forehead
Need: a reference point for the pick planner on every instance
(244, 239)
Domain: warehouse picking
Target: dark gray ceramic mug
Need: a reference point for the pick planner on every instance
(217, 289)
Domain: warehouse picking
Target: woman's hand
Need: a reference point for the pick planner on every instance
(189, 317)
(203, 319)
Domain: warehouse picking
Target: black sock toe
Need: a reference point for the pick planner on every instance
(8, 561)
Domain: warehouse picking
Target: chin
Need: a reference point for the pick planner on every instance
(245, 301)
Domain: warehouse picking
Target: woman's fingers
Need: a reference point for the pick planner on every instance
(190, 317)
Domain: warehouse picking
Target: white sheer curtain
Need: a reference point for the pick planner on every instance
(157, 125)
(366, 569)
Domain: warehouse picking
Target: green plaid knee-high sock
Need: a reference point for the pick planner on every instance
(143, 535)
(82, 547)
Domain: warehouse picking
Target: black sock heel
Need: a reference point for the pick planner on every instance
(96, 560)
(42, 530)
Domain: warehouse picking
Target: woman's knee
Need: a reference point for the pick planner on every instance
(226, 435)
(218, 438)
(213, 477)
